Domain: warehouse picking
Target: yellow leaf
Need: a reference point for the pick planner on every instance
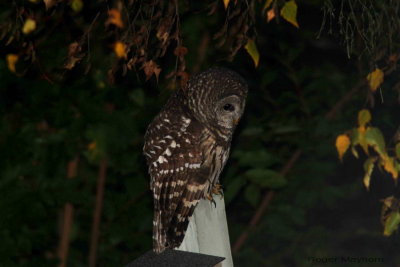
(29, 26)
(375, 79)
(342, 144)
(388, 165)
(76, 5)
(12, 59)
(251, 48)
(289, 12)
(270, 15)
(226, 3)
(92, 146)
(364, 116)
(114, 17)
(119, 49)
(267, 4)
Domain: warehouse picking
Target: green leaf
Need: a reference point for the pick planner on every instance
(364, 116)
(289, 12)
(76, 5)
(266, 178)
(391, 223)
(252, 194)
(251, 48)
(368, 168)
(258, 158)
(374, 138)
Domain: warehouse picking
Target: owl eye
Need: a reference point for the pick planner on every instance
(229, 107)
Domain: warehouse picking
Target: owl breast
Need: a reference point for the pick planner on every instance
(215, 157)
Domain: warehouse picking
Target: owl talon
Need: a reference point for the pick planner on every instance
(211, 199)
(217, 190)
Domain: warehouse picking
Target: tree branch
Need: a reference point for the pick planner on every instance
(97, 212)
(68, 218)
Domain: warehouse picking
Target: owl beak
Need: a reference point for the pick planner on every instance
(235, 122)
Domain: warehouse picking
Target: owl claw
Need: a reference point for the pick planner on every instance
(211, 199)
(217, 190)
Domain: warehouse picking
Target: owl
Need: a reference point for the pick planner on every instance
(186, 148)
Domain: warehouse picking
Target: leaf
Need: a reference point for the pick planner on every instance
(119, 49)
(226, 3)
(180, 51)
(397, 150)
(368, 168)
(150, 68)
(361, 138)
(270, 14)
(251, 48)
(256, 159)
(342, 144)
(114, 18)
(92, 146)
(252, 194)
(391, 223)
(12, 60)
(375, 79)
(374, 138)
(390, 202)
(29, 26)
(74, 55)
(364, 116)
(289, 12)
(354, 151)
(266, 178)
(50, 3)
(389, 166)
(77, 5)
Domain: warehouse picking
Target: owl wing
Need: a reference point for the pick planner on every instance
(178, 177)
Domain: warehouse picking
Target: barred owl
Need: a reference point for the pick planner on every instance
(186, 148)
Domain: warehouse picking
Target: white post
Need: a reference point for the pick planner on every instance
(207, 232)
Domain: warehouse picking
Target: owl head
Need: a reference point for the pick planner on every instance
(216, 98)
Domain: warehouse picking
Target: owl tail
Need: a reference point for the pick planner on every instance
(159, 234)
(180, 221)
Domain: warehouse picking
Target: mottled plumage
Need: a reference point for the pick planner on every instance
(186, 147)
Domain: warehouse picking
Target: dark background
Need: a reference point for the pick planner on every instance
(95, 115)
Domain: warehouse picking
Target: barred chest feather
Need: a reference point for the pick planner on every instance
(216, 156)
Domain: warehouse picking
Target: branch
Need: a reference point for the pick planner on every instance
(97, 213)
(68, 218)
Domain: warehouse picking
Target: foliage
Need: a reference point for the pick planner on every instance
(370, 137)
(83, 79)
